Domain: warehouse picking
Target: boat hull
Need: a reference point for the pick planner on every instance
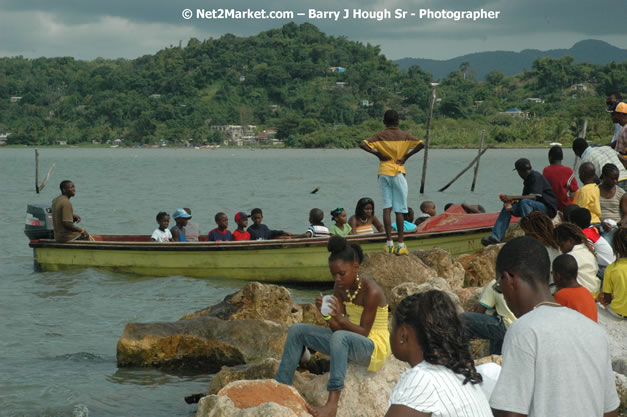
(281, 261)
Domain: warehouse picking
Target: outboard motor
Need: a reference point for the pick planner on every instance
(39, 222)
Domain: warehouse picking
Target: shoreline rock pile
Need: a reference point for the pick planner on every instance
(241, 339)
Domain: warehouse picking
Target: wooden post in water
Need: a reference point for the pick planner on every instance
(37, 170)
(474, 178)
(38, 187)
(427, 139)
(463, 170)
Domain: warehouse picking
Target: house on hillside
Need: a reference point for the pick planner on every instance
(15, 99)
(3, 138)
(235, 134)
(578, 87)
(337, 69)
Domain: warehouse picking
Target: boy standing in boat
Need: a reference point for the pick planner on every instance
(393, 147)
(63, 217)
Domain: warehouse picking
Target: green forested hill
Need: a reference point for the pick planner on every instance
(282, 78)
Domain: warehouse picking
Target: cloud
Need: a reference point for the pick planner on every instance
(123, 28)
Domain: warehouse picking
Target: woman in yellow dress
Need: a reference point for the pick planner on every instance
(358, 326)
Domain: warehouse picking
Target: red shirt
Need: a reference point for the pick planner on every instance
(237, 235)
(578, 299)
(562, 179)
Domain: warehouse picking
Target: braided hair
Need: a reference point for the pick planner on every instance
(440, 332)
(538, 225)
(567, 231)
(619, 242)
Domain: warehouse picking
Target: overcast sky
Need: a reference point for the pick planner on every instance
(87, 29)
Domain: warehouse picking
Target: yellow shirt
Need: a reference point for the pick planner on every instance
(379, 333)
(491, 299)
(589, 197)
(615, 283)
(394, 143)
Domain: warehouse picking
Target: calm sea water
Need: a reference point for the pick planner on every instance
(58, 331)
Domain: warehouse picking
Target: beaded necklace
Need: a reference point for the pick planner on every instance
(348, 294)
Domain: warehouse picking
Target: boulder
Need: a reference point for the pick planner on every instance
(468, 297)
(365, 394)
(479, 348)
(265, 369)
(514, 230)
(253, 399)
(389, 270)
(480, 267)
(444, 265)
(497, 359)
(200, 344)
(408, 288)
(255, 301)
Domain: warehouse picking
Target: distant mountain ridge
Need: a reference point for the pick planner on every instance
(512, 63)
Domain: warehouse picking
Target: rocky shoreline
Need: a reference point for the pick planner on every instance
(241, 340)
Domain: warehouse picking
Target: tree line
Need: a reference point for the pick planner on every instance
(287, 78)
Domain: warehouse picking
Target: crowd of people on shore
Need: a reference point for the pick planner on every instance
(556, 359)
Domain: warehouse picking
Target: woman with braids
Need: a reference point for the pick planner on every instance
(571, 240)
(428, 334)
(358, 326)
(615, 278)
(538, 225)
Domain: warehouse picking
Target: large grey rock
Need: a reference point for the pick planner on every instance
(389, 270)
(261, 301)
(408, 288)
(203, 343)
(365, 394)
(444, 265)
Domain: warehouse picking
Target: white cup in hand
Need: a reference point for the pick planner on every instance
(325, 308)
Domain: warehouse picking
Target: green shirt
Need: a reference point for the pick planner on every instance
(334, 230)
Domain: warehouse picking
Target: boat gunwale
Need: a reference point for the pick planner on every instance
(235, 245)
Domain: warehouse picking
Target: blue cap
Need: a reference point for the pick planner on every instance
(181, 213)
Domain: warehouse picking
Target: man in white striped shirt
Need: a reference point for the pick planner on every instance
(599, 156)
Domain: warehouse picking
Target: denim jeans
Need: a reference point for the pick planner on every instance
(485, 326)
(520, 209)
(341, 345)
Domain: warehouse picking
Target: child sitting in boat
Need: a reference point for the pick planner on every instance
(364, 222)
(241, 218)
(259, 231)
(340, 228)
(162, 233)
(178, 230)
(221, 232)
(316, 227)
(428, 210)
(408, 222)
(192, 230)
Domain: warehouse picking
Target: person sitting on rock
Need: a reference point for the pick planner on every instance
(569, 293)
(539, 226)
(358, 326)
(588, 196)
(556, 362)
(615, 279)
(537, 195)
(602, 248)
(427, 333)
(489, 326)
(571, 240)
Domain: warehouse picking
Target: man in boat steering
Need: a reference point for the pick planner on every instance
(63, 218)
(393, 147)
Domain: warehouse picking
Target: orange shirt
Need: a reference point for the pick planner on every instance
(578, 299)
